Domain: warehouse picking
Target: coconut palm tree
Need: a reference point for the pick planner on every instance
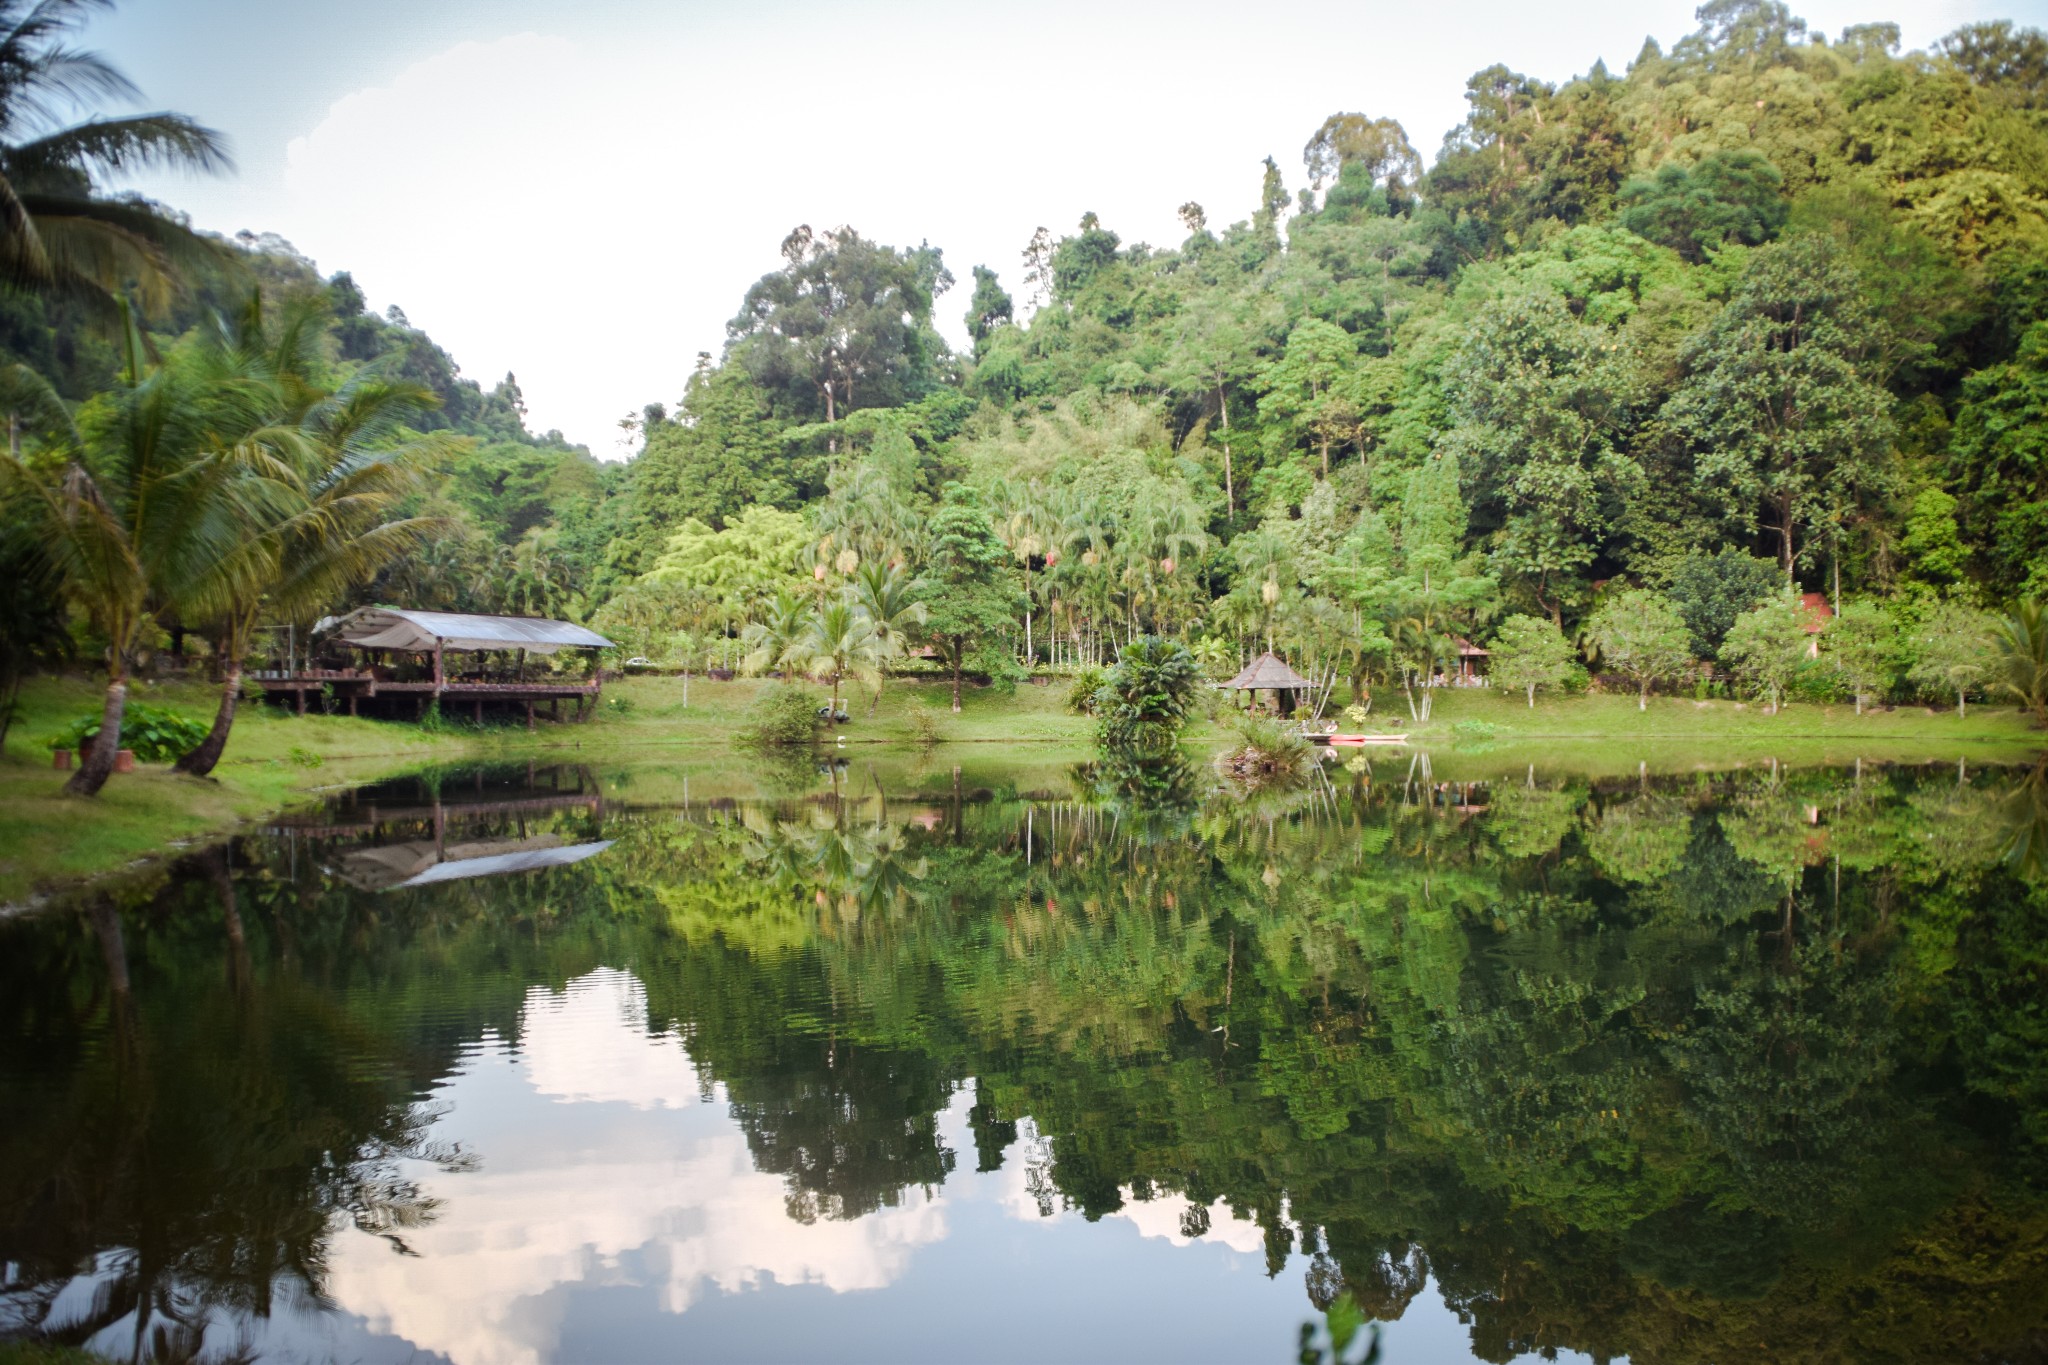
(776, 641)
(57, 234)
(337, 469)
(841, 640)
(884, 594)
(2019, 663)
(150, 513)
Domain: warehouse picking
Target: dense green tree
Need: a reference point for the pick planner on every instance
(1531, 654)
(1951, 651)
(1642, 637)
(1862, 643)
(1711, 590)
(846, 322)
(1999, 461)
(1768, 645)
(1727, 197)
(969, 589)
(1790, 430)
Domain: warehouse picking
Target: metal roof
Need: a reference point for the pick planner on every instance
(421, 631)
(1269, 673)
(393, 867)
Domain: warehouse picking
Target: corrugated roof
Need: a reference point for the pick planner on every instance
(1269, 673)
(401, 628)
(390, 867)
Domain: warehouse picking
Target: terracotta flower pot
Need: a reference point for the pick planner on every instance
(60, 759)
(124, 760)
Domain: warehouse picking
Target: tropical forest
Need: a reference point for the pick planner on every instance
(1451, 765)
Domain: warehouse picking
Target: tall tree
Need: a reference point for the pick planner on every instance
(335, 467)
(147, 514)
(1641, 637)
(969, 589)
(1790, 429)
(846, 322)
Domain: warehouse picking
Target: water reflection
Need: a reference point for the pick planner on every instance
(1702, 1068)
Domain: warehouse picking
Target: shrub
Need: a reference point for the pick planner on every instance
(1267, 751)
(1081, 696)
(785, 714)
(1149, 693)
(924, 724)
(154, 734)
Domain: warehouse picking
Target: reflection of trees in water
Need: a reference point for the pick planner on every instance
(1627, 1069)
(197, 1156)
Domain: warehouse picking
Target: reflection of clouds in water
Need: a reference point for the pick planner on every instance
(1170, 1216)
(589, 1041)
(1027, 1192)
(573, 1194)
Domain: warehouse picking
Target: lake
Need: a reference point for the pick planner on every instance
(886, 1060)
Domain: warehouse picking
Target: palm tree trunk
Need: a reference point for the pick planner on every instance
(956, 674)
(200, 761)
(99, 760)
(1643, 694)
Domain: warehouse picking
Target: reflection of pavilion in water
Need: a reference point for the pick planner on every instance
(478, 825)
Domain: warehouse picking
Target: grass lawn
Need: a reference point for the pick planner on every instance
(272, 759)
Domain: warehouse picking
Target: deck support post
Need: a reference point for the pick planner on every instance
(300, 693)
(479, 710)
(529, 713)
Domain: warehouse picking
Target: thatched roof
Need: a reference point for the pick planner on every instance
(1269, 673)
(421, 631)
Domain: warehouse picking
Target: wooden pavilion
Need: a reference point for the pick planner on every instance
(404, 659)
(1271, 673)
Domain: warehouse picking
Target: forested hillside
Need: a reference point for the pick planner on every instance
(1635, 358)
(1767, 296)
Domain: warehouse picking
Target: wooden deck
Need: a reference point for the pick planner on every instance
(354, 688)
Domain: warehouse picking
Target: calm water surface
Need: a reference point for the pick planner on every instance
(886, 1063)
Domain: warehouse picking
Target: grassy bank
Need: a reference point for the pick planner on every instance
(1019, 741)
(272, 759)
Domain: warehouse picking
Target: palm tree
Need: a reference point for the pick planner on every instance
(2019, 665)
(776, 641)
(337, 471)
(842, 640)
(160, 510)
(536, 577)
(883, 593)
(57, 235)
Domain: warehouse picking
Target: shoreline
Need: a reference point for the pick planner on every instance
(51, 845)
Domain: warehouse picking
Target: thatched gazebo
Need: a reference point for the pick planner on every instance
(1270, 673)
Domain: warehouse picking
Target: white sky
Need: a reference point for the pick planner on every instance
(581, 193)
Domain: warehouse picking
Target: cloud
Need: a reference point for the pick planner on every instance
(588, 210)
(573, 1191)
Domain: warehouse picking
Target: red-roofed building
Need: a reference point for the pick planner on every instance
(1814, 607)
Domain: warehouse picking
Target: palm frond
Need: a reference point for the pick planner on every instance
(142, 142)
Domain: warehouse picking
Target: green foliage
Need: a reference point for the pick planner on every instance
(782, 716)
(156, 735)
(1782, 407)
(1862, 645)
(1147, 697)
(1640, 636)
(1951, 651)
(1530, 654)
(1725, 197)
(1085, 691)
(1768, 646)
(1711, 590)
(2019, 658)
